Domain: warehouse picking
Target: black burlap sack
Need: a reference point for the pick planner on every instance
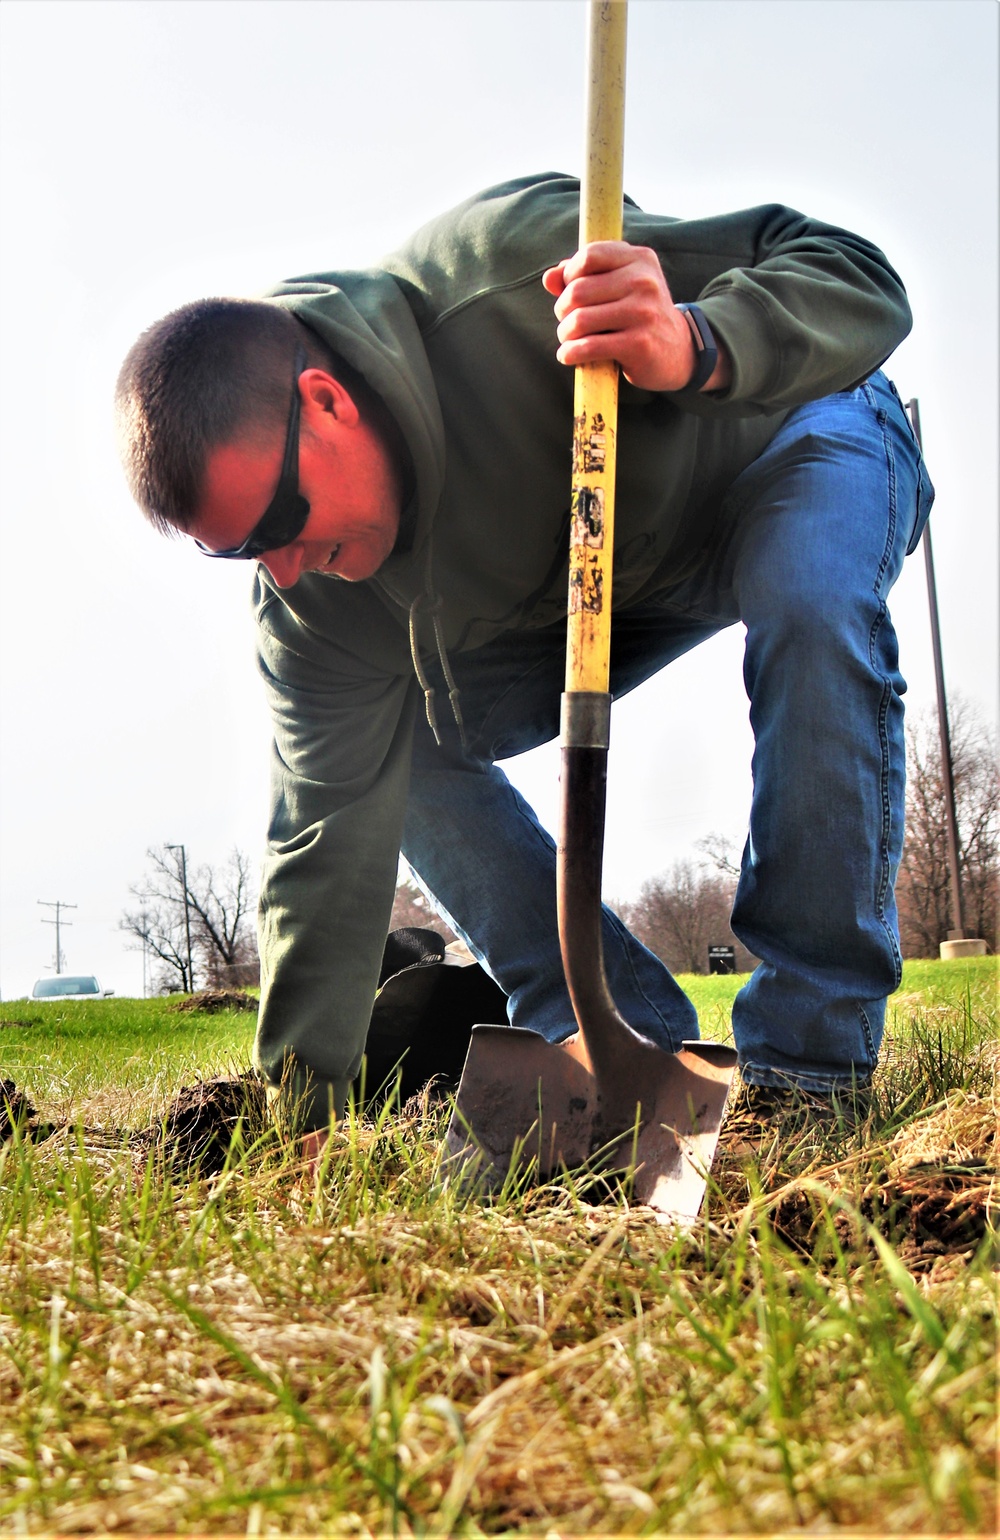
(427, 1004)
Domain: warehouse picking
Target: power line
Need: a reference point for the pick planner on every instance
(944, 731)
(58, 922)
(187, 912)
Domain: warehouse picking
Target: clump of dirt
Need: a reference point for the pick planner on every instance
(16, 1112)
(20, 1021)
(197, 1129)
(947, 1211)
(212, 1000)
(927, 1190)
(15, 1109)
(194, 1135)
(934, 1212)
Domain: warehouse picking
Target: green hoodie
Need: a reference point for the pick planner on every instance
(457, 336)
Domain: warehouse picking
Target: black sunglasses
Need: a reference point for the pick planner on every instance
(284, 518)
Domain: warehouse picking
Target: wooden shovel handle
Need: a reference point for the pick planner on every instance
(595, 411)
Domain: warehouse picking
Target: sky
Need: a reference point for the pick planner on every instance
(155, 151)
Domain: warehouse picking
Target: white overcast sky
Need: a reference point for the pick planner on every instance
(158, 150)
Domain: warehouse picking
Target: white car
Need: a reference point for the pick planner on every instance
(69, 986)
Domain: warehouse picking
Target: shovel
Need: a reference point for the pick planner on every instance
(605, 1098)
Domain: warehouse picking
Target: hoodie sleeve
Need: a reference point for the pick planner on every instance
(805, 309)
(340, 772)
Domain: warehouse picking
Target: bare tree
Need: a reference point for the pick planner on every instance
(411, 907)
(684, 911)
(221, 904)
(224, 905)
(922, 888)
(718, 848)
(158, 929)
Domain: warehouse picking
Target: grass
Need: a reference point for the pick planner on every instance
(128, 1055)
(376, 1353)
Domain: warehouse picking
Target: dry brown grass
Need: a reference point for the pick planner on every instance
(376, 1353)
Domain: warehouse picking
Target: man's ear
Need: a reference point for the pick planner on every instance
(326, 402)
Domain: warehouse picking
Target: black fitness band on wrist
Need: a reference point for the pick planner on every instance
(707, 349)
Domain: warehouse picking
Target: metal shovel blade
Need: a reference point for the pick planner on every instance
(525, 1103)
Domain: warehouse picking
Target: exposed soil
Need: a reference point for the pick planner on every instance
(929, 1190)
(17, 1112)
(211, 1000)
(198, 1127)
(15, 1109)
(931, 1213)
(195, 1132)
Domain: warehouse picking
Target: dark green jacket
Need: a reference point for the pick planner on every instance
(457, 335)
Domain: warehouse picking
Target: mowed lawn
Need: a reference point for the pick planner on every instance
(374, 1352)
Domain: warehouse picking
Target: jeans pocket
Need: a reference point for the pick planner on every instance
(925, 502)
(924, 499)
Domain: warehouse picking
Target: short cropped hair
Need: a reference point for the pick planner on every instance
(206, 375)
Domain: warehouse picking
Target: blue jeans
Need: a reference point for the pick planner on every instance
(811, 539)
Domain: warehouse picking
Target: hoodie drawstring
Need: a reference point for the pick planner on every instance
(433, 608)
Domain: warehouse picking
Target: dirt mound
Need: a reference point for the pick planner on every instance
(194, 1135)
(946, 1209)
(197, 1128)
(928, 1189)
(15, 1109)
(211, 1000)
(17, 1112)
(934, 1212)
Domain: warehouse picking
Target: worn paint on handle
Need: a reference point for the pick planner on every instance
(595, 411)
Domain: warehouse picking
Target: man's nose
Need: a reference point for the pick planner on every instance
(284, 564)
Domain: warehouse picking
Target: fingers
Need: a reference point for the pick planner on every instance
(612, 301)
(600, 331)
(640, 355)
(553, 280)
(597, 348)
(603, 259)
(601, 289)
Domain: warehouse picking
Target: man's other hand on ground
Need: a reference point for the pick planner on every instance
(311, 1147)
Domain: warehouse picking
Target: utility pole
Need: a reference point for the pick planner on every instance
(58, 922)
(145, 949)
(958, 943)
(187, 912)
(947, 770)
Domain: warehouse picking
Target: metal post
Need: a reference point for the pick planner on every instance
(187, 912)
(58, 922)
(951, 815)
(143, 918)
